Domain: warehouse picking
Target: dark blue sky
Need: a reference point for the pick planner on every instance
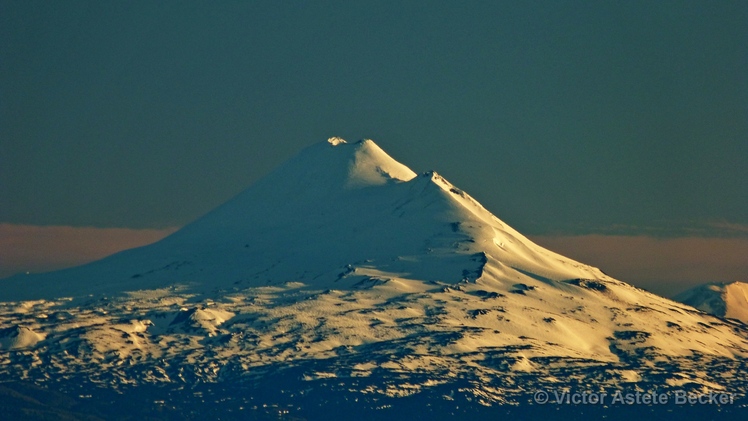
(570, 117)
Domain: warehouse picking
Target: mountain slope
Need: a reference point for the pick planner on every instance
(343, 264)
(724, 300)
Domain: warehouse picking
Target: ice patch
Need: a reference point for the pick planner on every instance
(335, 141)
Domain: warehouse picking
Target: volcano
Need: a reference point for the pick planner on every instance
(344, 278)
(336, 207)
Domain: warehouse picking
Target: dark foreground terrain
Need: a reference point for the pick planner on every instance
(321, 399)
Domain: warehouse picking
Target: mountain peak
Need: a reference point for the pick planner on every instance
(721, 299)
(372, 166)
(324, 165)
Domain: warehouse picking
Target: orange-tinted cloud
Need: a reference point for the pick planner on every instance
(661, 265)
(28, 248)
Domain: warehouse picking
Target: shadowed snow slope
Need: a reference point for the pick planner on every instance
(725, 300)
(343, 263)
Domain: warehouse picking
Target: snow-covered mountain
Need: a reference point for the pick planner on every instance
(336, 207)
(721, 299)
(345, 273)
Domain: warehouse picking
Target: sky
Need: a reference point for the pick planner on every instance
(580, 122)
